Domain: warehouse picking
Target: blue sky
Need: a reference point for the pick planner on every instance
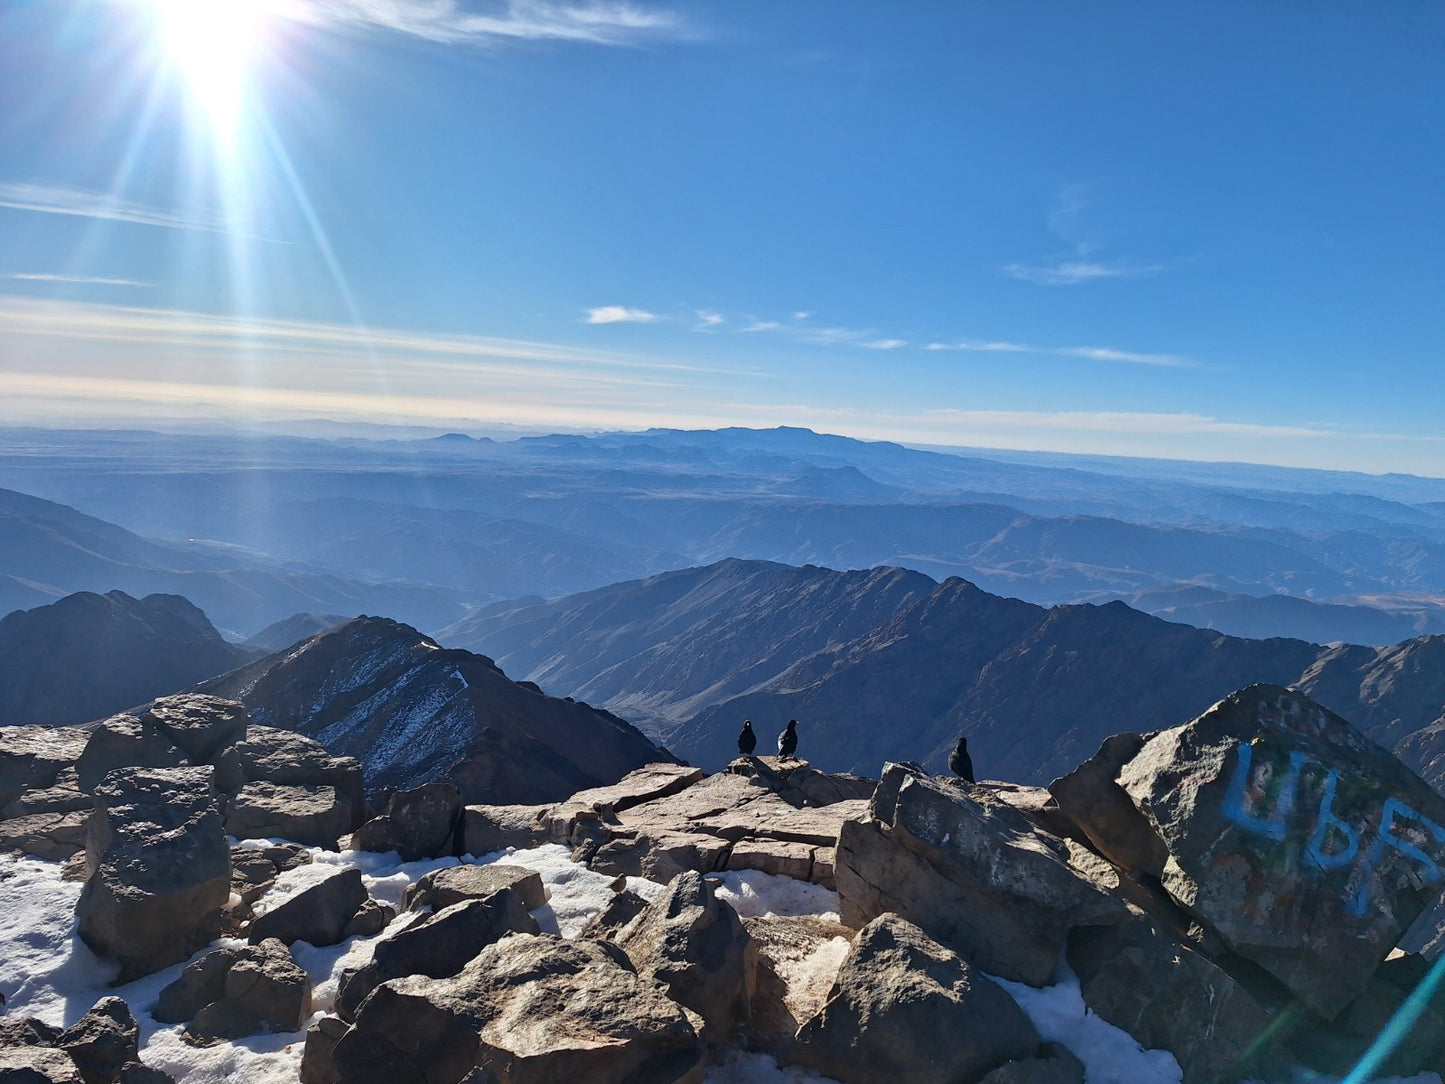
(1208, 231)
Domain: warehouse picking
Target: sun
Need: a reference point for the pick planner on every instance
(212, 43)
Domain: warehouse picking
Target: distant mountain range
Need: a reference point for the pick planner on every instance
(89, 655)
(48, 551)
(690, 654)
(428, 530)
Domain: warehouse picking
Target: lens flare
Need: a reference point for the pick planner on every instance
(212, 43)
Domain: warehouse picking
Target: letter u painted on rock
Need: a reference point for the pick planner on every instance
(1259, 799)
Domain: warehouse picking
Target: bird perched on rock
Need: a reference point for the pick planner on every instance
(747, 740)
(788, 740)
(960, 763)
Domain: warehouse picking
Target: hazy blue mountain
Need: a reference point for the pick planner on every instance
(659, 650)
(551, 515)
(291, 630)
(48, 550)
(88, 656)
(1263, 616)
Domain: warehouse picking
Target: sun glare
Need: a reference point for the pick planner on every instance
(211, 42)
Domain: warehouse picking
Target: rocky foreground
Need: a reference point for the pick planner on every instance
(1231, 891)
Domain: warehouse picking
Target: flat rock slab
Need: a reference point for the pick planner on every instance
(51, 836)
(33, 756)
(1307, 847)
(315, 815)
(971, 870)
(645, 784)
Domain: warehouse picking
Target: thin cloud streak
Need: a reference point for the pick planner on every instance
(1104, 353)
(130, 325)
(52, 200)
(985, 347)
(72, 280)
(448, 22)
(1073, 272)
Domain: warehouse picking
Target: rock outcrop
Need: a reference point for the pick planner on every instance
(696, 948)
(904, 1008)
(415, 713)
(530, 1009)
(971, 870)
(234, 992)
(1305, 846)
(159, 869)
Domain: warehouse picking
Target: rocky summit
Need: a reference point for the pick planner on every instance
(1230, 893)
(413, 712)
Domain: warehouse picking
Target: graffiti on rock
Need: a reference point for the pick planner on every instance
(1323, 821)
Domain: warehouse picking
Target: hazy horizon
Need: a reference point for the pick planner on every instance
(1127, 230)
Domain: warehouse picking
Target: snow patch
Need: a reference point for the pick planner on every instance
(754, 894)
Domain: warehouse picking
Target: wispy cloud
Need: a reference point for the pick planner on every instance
(71, 280)
(1084, 261)
(1104, 353)
(598, 22)
(619, 314)
(761, 325)
(1091, 353)
(707, 319)
(52, 200)
(884, 344)
(1071, 270)
(984, 347)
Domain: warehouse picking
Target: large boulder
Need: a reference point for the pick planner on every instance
(970, 869)
(197, 724)
(102, 1040)
(904, 1008)
(422, 823)
(1309, 849)
(318, 914)
(441, 943)
(1168, 996)
(124, 741)
(468, 881)
(159, 869)
(530, 1009)
(285, 758)
(314, 815)
(695, 946)
(1090, 796)
(234, 992)
(488, 828)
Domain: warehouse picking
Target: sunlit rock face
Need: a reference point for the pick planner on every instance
(413, 713)
(1306, 846)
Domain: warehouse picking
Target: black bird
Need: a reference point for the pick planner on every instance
(960, 763)
(747, 740)
(788, 740)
